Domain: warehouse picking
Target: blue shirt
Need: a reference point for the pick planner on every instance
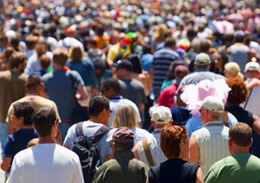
(61, 87)
(86, 70)
(18, 141)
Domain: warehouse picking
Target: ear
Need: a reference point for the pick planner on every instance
(250, 144)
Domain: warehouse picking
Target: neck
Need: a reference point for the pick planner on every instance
(45, 140)
(26, 126)
(94, 119)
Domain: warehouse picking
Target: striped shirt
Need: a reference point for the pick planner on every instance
(212, 140)
(161, 63)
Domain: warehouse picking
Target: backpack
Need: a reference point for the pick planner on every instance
(87, 150)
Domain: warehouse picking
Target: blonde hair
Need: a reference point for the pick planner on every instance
(125, 116)
(233, 68)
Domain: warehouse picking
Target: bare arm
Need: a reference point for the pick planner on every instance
(6, 164)
(256, 124)
(82, 92)
(200, 177)
(194, 150)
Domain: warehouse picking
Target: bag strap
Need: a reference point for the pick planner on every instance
(99, 134)
(147, 152)
(225, 118)
(79, 129)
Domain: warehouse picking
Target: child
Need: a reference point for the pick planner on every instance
(17, 141)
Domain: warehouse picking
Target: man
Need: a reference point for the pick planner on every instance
(162, 60)
(130, 88)
(12, 88)
(35, 95)
(209, 144)
(252, 73)
(123, 168)
(241, 166)
(160, 117)
(61, 87)
(99, 113)
(47, 161)
(202, 65)
(111, 89)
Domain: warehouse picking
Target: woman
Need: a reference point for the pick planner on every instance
(237, 96)
(126, 116)
(175, 145)
(232, 70)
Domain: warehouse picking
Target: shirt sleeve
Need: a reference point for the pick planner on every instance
(211, 176)
(8, 148)
(99, 176)
(70, 137)
(77, 78)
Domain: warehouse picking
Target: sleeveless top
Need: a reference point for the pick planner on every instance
(174, 171)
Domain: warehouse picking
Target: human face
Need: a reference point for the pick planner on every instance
(16, 122)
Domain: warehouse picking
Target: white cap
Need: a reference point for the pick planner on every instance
(161, 115)
(252, 66)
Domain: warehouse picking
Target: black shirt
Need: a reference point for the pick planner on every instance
(174, 171)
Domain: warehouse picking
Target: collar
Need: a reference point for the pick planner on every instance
(201, 70)
(214, 123)
(118, 97)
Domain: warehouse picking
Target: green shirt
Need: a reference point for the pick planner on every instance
(237, 168)
(123, 168)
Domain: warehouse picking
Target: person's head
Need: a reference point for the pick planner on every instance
(240, 138)
(170, 43)
(252, 70)
(177, 97)
(124, 69)
(22, 114)
(76, 54)
(110, 88)
(136, 62)
(174, 141)
(202, 60)
(34, 84)
(177, 71)
(211, 109)
(45, 62)
(122, 139)
(99, 109)
(125, 116)
(45, 122)
(60, 57)
(18, 61)
(232, 69)
(205, 45)
(160, 116)
(238, 92)
(31, 41)
(239, 36)
(41, 48)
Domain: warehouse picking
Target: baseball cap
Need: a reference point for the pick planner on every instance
(252, 66)
(202, 59)
(124, 64)
(123, 135)
(161, 115)
(213, 104)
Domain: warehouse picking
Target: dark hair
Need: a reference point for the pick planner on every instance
(205, 45)
(169, 42)
(25, 110)
(136, 62)
(238, 92)
(16, 59)
(171, 138)
(33, 81)
(240, 134)
(43, 121)
(111, 84)
(126, 146)
(170, 74)
(97, 105)
(60, 56)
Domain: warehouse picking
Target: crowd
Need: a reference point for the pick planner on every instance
(134, 91)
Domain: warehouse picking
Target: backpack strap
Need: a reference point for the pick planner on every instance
(99, 134)
(147, 152)
(79, 129)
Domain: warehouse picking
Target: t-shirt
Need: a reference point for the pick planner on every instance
(43, 163)
(89, 129)
(61, 88)
(174, 171)
(133, 90)
(18, 141)
(237, 168)
(166, 97)
(11, 89)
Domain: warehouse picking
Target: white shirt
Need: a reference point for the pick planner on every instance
(46, 163)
